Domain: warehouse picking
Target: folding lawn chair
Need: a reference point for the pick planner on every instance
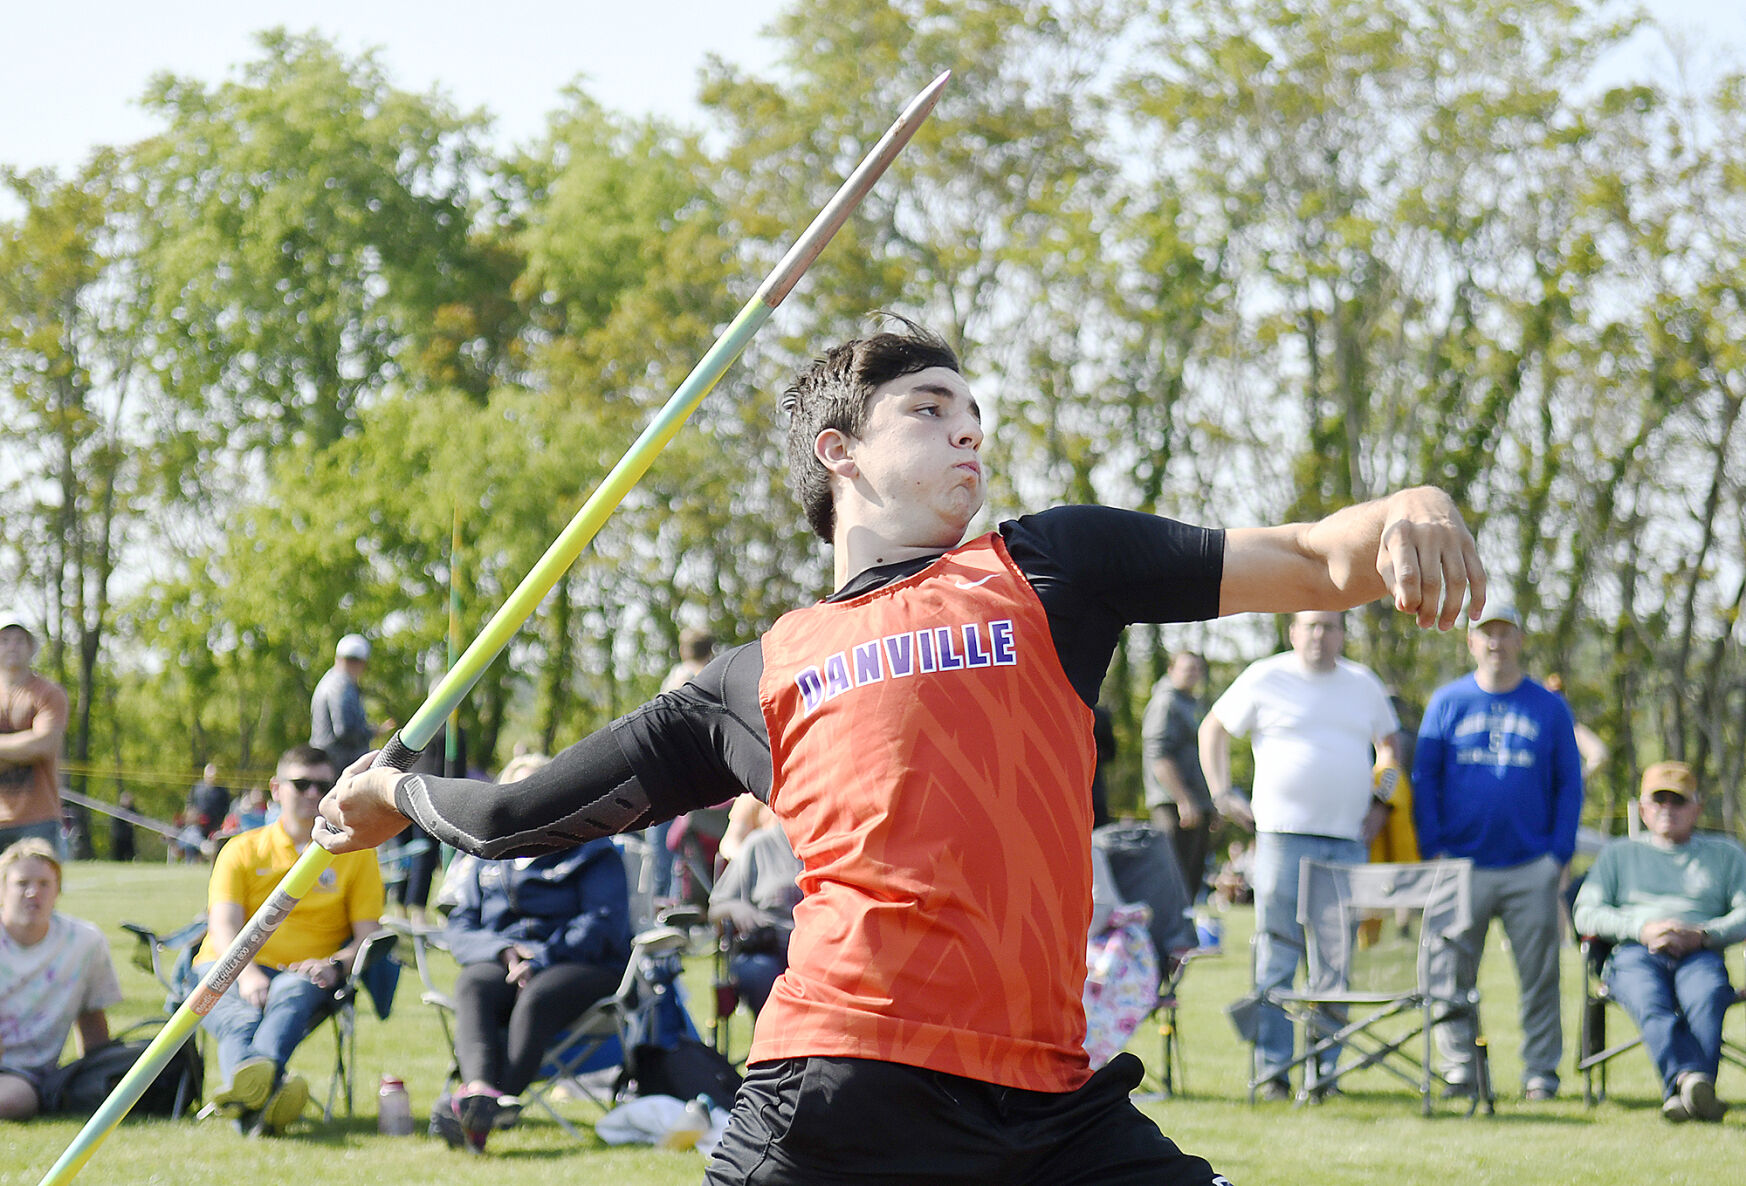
(1143, 864)
(1379, 999)
(1592, 1052)
(646, 1006)
(170, 958)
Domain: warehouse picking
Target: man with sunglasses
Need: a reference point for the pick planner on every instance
(1671, 900)
(260, 1022)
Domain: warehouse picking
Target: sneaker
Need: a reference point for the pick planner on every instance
(1673, 1109)
(508, 1112)
(478, 1112)
(1273, 1091)
(1326, 1091)
(1697, 1091)
(1458, 1089)
(1539, 1091)
(285, 1106)
(250, 1085)
(445, 1122)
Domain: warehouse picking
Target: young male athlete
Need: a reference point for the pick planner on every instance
(924, 737)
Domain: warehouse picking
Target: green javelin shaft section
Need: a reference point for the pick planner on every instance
(464, 673)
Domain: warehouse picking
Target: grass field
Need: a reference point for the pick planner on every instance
(1374, 1135)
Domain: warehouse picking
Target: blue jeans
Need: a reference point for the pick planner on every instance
(1677, 1004)
(662, 859)
(242, 1031)
(1279, 945)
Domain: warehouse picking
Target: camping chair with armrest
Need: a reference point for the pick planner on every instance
(1143, 865)
(595, 1042)
(1380, 999)
(1592, 1052)
(170, 958)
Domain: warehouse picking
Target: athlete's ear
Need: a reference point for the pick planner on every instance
(833, 448)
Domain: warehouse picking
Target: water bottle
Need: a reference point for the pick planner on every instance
(393, 1109)
(690, 1127)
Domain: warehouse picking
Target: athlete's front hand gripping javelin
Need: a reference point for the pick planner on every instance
(1428, 559)
(360, 811)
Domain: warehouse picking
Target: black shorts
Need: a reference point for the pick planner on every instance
(820, 1121)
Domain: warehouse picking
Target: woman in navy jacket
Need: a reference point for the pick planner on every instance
(540, 939)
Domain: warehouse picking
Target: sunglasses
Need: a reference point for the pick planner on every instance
(306, 785)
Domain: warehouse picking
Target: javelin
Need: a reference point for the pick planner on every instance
(404, 746)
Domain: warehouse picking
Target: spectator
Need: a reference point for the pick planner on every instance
(412, 891)
(208, 802)
(279, 995)
(337, 724)
(121, 835)
(55, 977)
(1498, 779)
(1313, 717)
(696, 648)
(1230, 885)
(539, 940)
(755, 898)
(1103, 743)
(33, 720)
(924, 734)
(1176, 794)
(248, 813)
(1671, 901)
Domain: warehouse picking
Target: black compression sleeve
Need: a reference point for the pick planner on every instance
(586, 792)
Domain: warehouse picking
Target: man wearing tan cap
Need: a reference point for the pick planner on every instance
(1672, 901)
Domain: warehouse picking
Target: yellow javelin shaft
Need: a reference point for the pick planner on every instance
(419, 730)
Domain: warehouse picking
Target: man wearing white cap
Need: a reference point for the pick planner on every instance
(1671, 900)
(337, 724)
(33, 720)
(1497, 778)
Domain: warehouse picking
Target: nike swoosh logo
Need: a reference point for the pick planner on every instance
(973, 584)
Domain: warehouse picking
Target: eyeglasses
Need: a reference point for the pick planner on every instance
(321, 785)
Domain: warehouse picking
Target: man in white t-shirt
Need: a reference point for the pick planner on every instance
(1313, 719)
(55, 974)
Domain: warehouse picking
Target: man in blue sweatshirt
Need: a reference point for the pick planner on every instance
(1497, 778)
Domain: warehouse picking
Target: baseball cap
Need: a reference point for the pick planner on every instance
(1501, 611)
(352, 646)
(11, 618)
(1670, 776)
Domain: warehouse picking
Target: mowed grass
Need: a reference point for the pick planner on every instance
(1374, 1135)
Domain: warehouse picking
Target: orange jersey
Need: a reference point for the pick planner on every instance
(932, 771)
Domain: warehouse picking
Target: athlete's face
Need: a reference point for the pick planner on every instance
(915, 468)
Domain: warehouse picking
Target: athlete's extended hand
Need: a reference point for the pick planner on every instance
(1428, 559)
(359, 812)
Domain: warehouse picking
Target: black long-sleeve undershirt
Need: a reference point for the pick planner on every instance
(1095, 570)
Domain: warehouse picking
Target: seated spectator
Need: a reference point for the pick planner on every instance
(755, 896)
(246, 814)
(539, 940)
(1671, 900)
(1231, 882)
(278, 997)
(55, 976)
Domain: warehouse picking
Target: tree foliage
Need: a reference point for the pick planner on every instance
(1227, 260)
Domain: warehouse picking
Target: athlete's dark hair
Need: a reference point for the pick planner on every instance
(833, 393)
